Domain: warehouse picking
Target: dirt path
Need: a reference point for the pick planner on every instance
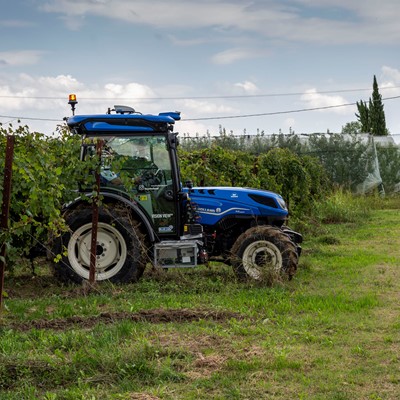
(153, 316)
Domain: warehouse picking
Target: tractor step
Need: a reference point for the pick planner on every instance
(176, 254)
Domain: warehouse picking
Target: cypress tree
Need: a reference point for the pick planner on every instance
(372, 116)
(378, 121)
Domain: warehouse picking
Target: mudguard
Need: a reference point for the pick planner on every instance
(112, 197)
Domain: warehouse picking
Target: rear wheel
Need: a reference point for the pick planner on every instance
(119, 250)
(262, 251)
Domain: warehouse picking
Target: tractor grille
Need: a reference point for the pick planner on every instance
(266, 201)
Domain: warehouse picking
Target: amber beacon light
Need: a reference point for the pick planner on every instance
(72, 102)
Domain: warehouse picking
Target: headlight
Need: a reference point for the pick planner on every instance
(282, 203)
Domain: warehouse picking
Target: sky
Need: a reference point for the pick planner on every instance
(246, 66)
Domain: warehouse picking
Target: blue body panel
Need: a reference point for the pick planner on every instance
(107, 122)
(215, 203)
(104, 126)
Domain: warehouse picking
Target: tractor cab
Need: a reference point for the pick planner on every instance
(138, 158)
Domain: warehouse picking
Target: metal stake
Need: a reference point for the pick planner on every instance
(5, 208)
(95, 217)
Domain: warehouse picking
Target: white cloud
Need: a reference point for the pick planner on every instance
(131, 90)
(202, 108)
(18, 58)
(177, 13)
(294, 20)
(15, 100)
(247, 87)
(391, 76)
(193, 129)
(28, 93)
(232, 55)
(312, 99)
(58, 84)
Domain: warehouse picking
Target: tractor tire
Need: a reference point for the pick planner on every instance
(119, 254)
(263, 250)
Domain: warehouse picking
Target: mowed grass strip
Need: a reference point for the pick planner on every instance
(330, 333)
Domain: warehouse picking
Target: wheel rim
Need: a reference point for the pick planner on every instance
(260, 256)
(111, 251)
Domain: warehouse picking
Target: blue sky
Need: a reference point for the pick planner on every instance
(256, 61)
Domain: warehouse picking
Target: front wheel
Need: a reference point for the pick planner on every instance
(263, 250)
(119, 250)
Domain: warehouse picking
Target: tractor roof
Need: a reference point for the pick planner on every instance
(122, 122)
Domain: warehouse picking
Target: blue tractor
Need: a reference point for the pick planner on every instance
(148, 216)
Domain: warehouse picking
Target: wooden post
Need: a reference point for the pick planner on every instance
(95, 218)
(5, 208)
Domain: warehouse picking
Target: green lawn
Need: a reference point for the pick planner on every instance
(333, 332)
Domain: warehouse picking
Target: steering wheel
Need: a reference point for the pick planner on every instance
(150, 178)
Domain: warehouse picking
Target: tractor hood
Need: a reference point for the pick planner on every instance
(215, 203)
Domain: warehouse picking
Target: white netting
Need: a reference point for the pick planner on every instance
(359, 162)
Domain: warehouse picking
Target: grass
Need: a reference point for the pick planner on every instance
(330, 333)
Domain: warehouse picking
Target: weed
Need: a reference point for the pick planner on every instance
(341, 207)
(328, 239)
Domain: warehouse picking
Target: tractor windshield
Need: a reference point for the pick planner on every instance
(141, 166)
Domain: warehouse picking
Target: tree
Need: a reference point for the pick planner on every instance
(352, 128)
(372, 116)
(364, 116)
(378, 121)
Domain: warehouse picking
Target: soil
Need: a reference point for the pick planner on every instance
(153, 316)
